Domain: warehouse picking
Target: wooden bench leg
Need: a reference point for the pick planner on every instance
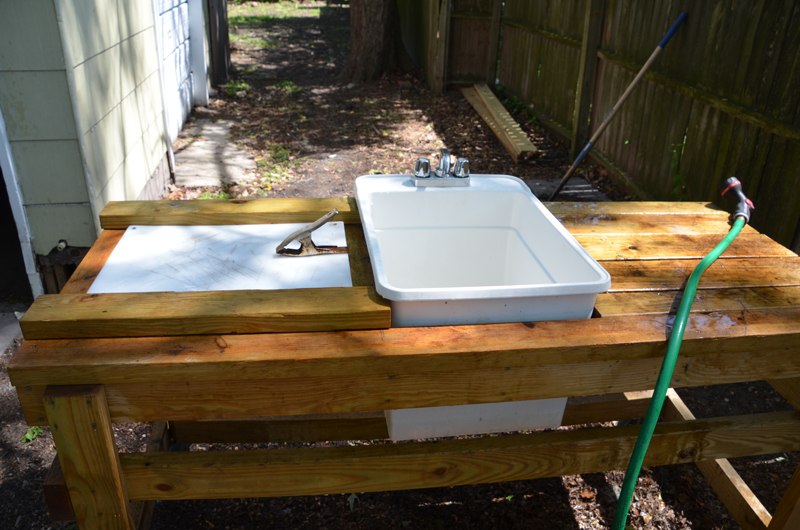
(81, 426)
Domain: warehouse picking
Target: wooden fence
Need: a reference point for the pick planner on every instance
(723, 99)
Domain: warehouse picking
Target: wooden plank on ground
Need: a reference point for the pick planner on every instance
(511, 134)
(232, 474)
(204, 313)
(603, 247)
(731, 489)
(120, 215)
(708, 300)
(480, 107)
(81, 428)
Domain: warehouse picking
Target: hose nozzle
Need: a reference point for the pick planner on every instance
(732, 189)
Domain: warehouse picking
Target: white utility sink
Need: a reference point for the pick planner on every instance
(485, 253)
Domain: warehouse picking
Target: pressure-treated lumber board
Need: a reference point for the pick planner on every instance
(512, 136)
(789, 389)
(327, 427)
(787, 514)
(231, 474)
(372, 425)
(647, 224)
(658, 302)
(396, 350)
(81, 428)
(298, 395)
(360, 265)
(636, 207)
(56, 496)
(206, 313)
(678, 246)
(668, 275)
(90, 265)
(731, 489)
(121, 214)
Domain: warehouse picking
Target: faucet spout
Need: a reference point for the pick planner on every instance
(444, 163)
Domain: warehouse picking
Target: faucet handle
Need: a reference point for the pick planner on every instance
(422, 169)
(461, 169)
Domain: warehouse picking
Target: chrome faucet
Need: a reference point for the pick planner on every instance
(441, 176)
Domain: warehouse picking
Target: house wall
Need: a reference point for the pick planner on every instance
(111, 57)
(175, 51)
(40, 126)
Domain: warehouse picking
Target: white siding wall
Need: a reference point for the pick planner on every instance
(111, 54)
(40, 126)
(174, 21)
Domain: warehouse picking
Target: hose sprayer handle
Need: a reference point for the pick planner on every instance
(732, 189)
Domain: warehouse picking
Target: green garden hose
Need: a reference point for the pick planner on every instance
(742, 216)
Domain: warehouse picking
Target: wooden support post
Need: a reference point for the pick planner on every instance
(731, 489)
(592, 28)
(787, 515)
(81, 426)
(442, 47)
(494, 42)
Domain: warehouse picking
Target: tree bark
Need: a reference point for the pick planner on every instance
(376, 43)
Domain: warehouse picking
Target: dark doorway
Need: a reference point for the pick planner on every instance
(14, 287)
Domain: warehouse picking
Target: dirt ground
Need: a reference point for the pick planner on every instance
(312, 136)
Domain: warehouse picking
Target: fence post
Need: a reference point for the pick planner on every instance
(592, 29)
(442, 48)
(220, 47)
(494, 42)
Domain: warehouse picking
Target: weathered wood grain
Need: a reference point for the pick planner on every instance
(56, 496)
(709, 300)
(661, 275)
(90, 265)
(120, 215)
(204, 313)
(604, 247)
(300, 394)
(81, 428)
(397, 350)
(231, 474)
(608, 223)
(787, 515)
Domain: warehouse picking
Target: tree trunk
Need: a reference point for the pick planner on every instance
(376, 44)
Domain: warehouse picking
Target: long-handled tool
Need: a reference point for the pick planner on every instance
(619, 103)
(732, 189)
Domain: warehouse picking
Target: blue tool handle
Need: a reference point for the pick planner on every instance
(673, 29)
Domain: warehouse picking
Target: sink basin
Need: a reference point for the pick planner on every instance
(486, 253)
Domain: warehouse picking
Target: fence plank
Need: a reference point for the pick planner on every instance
(587, 69)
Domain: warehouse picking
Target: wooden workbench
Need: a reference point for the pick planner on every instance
(214, 377)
